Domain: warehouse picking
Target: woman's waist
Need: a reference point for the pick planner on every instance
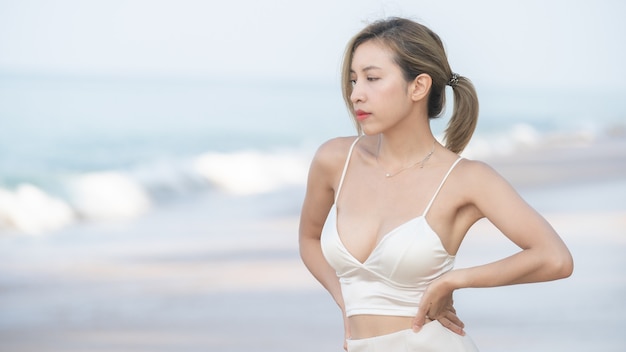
(367, 325)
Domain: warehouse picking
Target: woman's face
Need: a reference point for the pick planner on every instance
(380, 95)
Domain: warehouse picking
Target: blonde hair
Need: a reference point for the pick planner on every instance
(419, 50)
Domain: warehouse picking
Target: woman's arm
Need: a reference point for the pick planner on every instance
(543, 257)
(324, 174)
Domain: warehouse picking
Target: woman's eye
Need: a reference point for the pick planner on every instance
(353, 82)
(371, 79)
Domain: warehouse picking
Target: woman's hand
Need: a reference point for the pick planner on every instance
(437, 304)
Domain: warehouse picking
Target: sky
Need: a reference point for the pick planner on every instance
(559, 43)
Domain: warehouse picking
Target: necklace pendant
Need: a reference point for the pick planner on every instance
(420, 163)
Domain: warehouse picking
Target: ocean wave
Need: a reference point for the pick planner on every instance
(30, 210)
(252, 172)
(523, 136)
(114, 195)
(108, 195)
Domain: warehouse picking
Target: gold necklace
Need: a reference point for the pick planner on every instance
(421, 162)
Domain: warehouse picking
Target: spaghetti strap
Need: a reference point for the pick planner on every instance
(441, 185)
(345, 167)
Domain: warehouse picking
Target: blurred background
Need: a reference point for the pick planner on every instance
(153, 158)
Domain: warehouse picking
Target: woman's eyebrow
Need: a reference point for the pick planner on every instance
(367, 68)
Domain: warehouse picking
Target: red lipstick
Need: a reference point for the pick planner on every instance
(361, 115)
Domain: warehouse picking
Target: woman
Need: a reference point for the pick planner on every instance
(385, 212)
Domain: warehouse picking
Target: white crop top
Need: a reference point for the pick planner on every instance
(393, 278)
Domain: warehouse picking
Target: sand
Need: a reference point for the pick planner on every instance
(195, 277)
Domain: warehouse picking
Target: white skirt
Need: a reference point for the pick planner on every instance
(433, 337)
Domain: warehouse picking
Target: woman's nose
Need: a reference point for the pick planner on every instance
(357, 94)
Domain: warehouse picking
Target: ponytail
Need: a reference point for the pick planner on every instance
(464, 114)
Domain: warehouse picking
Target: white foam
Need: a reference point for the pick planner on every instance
(523, 136)
(108, 195)
(252, 172)
(168, 178)
(30, 210)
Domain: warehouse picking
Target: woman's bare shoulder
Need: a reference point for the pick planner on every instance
(476, 169)
(478, 176)
(333, 152)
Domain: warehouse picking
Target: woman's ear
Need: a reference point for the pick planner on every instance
(420, 87)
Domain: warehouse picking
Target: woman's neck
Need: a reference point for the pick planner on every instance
(402, 146)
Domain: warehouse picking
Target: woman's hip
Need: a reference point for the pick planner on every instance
(433, 337)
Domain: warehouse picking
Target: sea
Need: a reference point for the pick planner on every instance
(87, 149)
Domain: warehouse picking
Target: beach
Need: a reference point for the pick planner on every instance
(154, 159)
(224, 274)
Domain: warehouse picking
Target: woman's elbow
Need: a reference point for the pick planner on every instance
(561, 265)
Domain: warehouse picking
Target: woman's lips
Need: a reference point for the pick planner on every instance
(361, 115)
